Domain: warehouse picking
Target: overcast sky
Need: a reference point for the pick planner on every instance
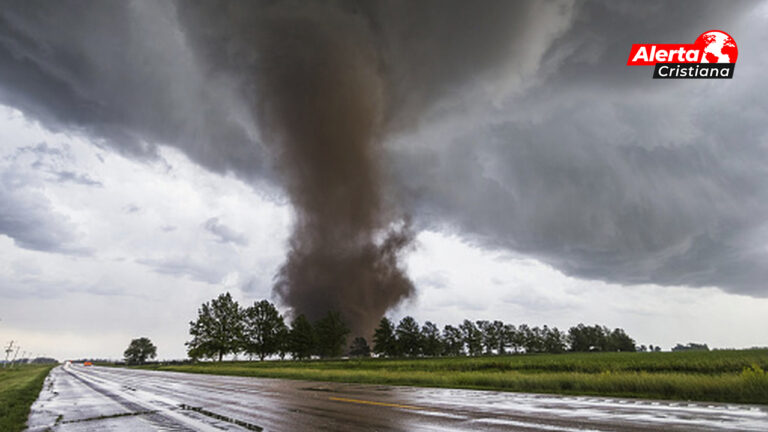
(553, 185)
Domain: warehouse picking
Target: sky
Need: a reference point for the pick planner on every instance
(545, 181)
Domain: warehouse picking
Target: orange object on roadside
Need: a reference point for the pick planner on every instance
(87, 363)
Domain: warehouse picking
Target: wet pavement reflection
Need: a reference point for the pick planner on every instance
(77, 398)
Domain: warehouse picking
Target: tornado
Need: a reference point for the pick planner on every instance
(321, 104)
(327, 83)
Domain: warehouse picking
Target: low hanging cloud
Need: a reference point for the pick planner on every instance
(50, 160)
(28, 217)
(76, 178)
(40, 150)
(577, 160)
(185, 266)
(223, 233)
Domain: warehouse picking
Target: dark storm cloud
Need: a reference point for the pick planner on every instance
(223, 233)
(606, 174)
(587, 165)
(121, 72)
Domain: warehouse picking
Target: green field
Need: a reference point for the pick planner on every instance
(19, 387)
(719, 376)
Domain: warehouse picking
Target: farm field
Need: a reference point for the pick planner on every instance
(717, 376)
(19, 387)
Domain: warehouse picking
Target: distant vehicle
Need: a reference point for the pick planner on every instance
(87, 363)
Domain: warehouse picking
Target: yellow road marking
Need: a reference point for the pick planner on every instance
(385, 404)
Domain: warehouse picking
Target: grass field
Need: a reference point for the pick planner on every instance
(19, 387)
(720, 376)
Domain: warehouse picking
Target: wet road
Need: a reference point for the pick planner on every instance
(77, 398)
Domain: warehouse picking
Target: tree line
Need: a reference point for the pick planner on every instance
(690, 346)
(223, 327)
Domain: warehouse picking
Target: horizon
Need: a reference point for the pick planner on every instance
(522, 172)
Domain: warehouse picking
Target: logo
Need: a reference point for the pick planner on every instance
(712, 55)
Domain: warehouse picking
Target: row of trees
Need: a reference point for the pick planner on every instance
(690, 346)
(491, 338)
(223, 327)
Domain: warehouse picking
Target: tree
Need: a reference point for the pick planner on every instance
(384, 340)
(619, 340)
(555, 341)
(217, 330)
(532, 338)
(498, 329)
(473, 338)
(584, 338)
(453, 341)
(139, 350)
(510, 338)
(492, 336)
(331, 332)
(409, 337)
(484, 326)
(262, 328)
(359, 348)
(431, 343)
(283, 345)
(301, 338)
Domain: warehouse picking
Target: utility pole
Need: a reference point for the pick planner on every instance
(13, 362)
(8, 352)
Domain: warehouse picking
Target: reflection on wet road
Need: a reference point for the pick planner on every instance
(77, 398)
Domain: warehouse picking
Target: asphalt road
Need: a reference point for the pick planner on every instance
(77, 398)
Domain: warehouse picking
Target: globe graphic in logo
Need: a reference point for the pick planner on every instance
(717, 47)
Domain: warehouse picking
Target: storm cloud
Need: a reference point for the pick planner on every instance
(27, 216)
(121, 73)
(516, 125)
(605, 174)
